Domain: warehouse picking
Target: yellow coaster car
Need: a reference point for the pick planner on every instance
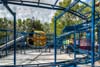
(38, 39)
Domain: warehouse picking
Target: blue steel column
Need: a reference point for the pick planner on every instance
(93, 33)
(14, 15)
(55, 41)
(98, 35)
(6, 42)
(79, 38)
(75, 45)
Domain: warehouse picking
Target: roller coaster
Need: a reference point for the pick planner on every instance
(89, 25)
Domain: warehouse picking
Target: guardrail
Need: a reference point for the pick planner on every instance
(59, 64)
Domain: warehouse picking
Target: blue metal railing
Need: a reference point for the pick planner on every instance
(58, 64)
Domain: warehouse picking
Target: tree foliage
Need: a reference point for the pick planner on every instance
(67, 19)
(21, 26)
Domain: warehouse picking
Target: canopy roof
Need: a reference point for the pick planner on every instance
(48, 4)
(53, 4)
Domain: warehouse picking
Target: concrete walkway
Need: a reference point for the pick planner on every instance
(32, 57)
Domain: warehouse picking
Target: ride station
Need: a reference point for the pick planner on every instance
(39, 49)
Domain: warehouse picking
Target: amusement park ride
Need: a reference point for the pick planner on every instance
(41, 39)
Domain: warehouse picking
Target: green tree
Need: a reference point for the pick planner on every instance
(46, 27)
(67, 19)
(37, 25)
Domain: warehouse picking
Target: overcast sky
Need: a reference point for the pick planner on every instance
(44, 15)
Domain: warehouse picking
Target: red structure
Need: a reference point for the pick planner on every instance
(85, 44)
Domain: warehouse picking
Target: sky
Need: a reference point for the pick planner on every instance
(86, 0)
(44, 15)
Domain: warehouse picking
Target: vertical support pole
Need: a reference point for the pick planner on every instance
(75, 45)
(93, 33)
(87, 47)
(6, 43)
(14, 15)
(99, 44)
(98, 35)
(55, 52)
(24, 44)
(79, 38)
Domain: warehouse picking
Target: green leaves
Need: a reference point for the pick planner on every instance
(68, 19)
(65, 3)
(21, 25)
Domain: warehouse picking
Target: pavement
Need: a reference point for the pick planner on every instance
(37, 57)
